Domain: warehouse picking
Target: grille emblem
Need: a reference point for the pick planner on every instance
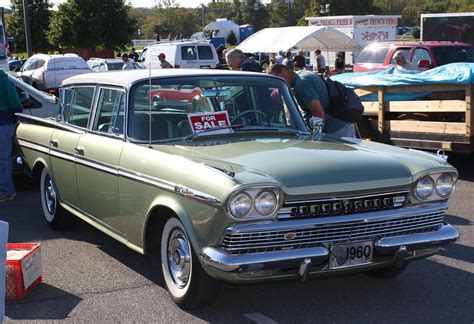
(289, 236)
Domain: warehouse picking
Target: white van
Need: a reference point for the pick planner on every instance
(46, 72)
(181, 54)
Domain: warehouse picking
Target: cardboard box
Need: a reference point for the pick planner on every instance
(23, 269)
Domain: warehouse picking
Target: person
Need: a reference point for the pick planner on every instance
(127, 63)
(280, 57)
(164, 64)
(133, 55)
(299, 61)
(320, 62)
(339, 64)
(9, 105)
(402, 63)
(312, 96)
(288, 61)
(236, 61)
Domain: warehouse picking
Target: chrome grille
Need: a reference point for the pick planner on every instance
(342, 206)
(309, 236)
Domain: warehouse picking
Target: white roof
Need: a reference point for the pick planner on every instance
(221, 24)
(308, 38)
(127, 77)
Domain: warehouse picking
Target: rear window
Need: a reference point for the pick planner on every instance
(115, 66)
(205, 53)
(373, 54)
(188, 53)
(453, 54)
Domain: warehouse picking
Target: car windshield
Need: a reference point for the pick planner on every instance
(373, 54)
(184, 108)
(453, 54)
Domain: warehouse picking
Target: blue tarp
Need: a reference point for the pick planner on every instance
(454, 73)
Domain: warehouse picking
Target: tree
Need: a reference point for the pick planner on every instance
(39, 18)
(91, 24)
(343, 7)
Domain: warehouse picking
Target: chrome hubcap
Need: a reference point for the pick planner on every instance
(179, 257)
(50, 196)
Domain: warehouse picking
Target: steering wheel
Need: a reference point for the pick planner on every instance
(255, 111)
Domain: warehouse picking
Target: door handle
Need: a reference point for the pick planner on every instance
(54, 142)
(79, 150)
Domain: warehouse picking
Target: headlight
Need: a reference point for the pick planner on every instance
(240, 204)
(265, 202)
(445, 185)
(424, 187)
(254, 202)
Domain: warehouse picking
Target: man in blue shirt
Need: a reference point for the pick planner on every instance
(312, 96)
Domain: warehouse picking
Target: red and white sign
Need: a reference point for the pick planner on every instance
(209, 121)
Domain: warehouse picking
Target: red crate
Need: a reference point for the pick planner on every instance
(24, 271)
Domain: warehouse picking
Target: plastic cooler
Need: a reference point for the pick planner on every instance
(23, 269)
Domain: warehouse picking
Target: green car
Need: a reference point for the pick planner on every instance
(215, 175)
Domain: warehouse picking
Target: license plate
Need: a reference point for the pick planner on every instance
(351, 254)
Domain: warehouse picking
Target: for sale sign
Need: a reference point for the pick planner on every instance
(219, 121)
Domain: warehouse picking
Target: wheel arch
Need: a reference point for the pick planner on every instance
(161, 211)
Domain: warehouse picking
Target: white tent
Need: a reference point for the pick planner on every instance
(307, 38)
(223, 28)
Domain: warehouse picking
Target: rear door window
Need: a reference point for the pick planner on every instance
(373, 54)
(188, 53)
(81, 103)
(205, 53)
(421, 54)
(110, 112)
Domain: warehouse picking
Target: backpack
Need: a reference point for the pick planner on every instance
(344, 103)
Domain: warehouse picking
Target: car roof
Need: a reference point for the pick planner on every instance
(98, 59)
(128, 77)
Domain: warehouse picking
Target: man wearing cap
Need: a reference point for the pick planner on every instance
(164, 64)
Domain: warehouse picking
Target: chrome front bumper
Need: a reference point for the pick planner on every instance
(292, 259)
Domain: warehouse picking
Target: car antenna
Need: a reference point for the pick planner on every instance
(149, 105)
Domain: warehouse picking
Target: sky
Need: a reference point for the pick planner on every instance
(135, 3)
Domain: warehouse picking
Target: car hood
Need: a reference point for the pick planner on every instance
(301, 166)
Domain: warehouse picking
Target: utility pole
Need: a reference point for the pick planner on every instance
(29, 49)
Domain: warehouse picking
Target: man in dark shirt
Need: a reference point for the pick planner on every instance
(236, 61)
(9, 105)
(299, 62)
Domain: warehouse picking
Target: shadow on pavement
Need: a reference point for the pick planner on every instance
(44, 303)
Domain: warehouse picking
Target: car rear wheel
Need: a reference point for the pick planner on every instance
(187, 282)
(388, 272)
(54, 214)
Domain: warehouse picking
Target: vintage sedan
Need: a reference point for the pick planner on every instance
(215, 175)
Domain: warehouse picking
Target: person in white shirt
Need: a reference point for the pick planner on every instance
(320, 62)
(402, 63)
(127, 63)
(280, 57)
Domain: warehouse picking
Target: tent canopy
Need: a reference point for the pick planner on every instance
(221, 24)
(307, 38)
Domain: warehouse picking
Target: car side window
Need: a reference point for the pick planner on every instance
(81, 103)
(29, 64)
(421, 54)
(188, 53)
(110, 112)
(405, 51)
(39, 64)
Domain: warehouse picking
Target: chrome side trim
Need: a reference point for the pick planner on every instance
(94, 164)
(389, 245)
(30, 145)
(356, 218)
(223, 261)
(62, 155)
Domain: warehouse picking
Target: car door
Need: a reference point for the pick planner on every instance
(76, 105)
(97, 165)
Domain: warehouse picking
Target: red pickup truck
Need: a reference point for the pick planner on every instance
(423, 55)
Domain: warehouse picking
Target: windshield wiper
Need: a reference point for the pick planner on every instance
(192, 136)
(271, 129)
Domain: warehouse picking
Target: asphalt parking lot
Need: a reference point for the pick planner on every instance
(89, 277)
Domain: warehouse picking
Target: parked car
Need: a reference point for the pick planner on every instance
(181, 54)
(215, 175)
(111, 64)
(46, 72)
(16, 64)
(424, 55)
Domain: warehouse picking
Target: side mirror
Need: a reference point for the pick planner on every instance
(424, 64)
(317, 125)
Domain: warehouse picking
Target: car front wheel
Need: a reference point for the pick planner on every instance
(187, 282)
(54, 214)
